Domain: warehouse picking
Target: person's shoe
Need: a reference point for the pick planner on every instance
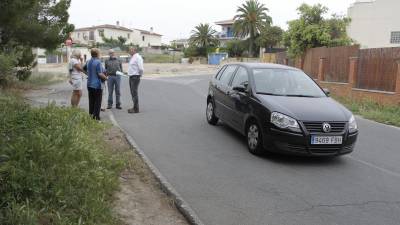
(131, 110)
(109, 107)
(118, 107)
(136, 110)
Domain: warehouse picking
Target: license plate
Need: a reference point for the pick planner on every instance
(326, 140)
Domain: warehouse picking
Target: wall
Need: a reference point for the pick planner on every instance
(372, 22)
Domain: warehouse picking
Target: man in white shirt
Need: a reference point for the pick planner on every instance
(135, 71)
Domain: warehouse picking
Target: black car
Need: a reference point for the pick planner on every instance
(279, 108)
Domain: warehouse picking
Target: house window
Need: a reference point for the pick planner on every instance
(395, 37)
(143, 38)
(101, 33)
(129, 36)
(79, 35)
(91, 35)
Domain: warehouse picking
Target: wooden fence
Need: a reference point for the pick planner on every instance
(336, 61)
(377, 69)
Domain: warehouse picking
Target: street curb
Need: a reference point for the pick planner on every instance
(382, 124)
(166, 187)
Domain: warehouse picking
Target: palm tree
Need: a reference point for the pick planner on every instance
(251, 18)
(204, 36)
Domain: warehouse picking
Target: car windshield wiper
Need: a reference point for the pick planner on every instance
(305, 96)
(266, 93)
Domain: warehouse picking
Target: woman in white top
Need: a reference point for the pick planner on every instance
(75, 77)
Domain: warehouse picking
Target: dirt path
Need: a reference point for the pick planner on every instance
(151, 69)
(140, 200)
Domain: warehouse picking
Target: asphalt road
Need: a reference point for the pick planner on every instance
(224, 184)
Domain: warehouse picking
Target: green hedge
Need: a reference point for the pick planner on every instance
(54, 166)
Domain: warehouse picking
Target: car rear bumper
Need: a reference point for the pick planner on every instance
(300, 144)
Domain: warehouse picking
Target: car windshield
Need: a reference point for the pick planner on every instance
(285, 82)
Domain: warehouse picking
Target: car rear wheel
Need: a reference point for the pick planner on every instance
(254, 138)
(210, 113)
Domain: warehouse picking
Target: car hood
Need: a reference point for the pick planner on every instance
(307, 109)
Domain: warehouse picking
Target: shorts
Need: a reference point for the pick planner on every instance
(77, 84)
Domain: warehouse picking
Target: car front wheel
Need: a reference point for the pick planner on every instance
(210, 113)
(254, 138)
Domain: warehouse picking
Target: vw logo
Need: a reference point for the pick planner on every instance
(326, 127)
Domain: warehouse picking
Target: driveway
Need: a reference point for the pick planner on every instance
(224, 184)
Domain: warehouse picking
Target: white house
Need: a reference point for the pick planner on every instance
(94, 34)
(148, 39)
(180, 43)
(227, 33)
(375, 23)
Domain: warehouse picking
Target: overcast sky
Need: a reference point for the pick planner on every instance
(176, 18)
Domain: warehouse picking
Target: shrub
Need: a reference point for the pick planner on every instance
(54, 166)
(7, 63)
(236, 48)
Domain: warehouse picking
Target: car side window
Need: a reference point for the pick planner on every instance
(227, 74)
(218, 76)
(241, 78)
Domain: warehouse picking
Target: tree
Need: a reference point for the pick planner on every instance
(25, 24)
(120, 42)
(270, 36)
(312, 30)
(250, 19)
(204, 37)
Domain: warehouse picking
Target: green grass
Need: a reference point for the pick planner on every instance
(387, 114)
(162, 58)
(55, 167)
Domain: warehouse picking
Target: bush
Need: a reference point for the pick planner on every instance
(7, 63)
(54, 166)
(236, 48)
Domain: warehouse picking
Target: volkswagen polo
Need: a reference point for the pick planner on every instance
(281, 109)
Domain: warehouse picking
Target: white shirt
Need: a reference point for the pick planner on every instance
(74, 73)
(135, 67)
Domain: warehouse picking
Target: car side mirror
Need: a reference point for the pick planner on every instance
(327, 92)
(239, 89)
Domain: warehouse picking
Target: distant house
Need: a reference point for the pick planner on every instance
(180, 43)
(148, 39)
(375, 23)
(227, 33)
(94, 34)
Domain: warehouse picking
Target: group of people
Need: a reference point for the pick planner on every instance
(100, 78)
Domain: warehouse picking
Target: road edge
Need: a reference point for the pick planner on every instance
(182, 206)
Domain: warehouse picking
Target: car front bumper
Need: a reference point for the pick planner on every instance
(300, 144)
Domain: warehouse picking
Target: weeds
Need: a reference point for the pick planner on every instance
(388, 114)
(54, 166)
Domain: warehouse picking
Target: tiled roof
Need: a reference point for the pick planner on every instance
(105, 26)
(147, 32)
(225, 22)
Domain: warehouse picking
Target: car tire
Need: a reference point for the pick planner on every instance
(210, 113)
(254, 138)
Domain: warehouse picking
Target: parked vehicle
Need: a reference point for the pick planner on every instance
(281, 109)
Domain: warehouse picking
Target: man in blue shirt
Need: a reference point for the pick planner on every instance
(95, 83)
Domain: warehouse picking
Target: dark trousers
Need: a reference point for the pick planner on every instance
(134, 82)
(95, 97)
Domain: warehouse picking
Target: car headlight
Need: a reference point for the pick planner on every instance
(284, 122)
(352, 124)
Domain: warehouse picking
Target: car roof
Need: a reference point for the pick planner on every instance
(264, 66)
